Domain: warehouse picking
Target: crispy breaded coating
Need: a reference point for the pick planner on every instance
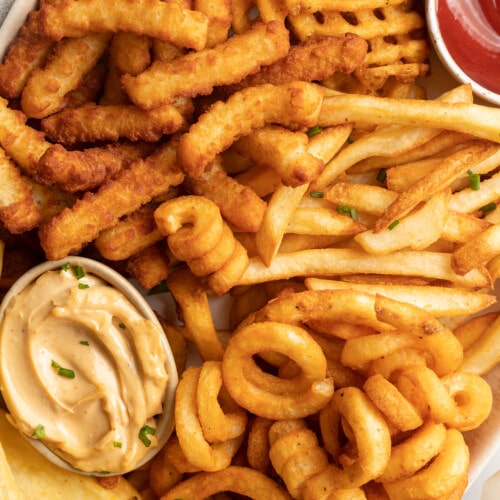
(239, 204)
(27, 51)
(94, 122)
(169, 21)
(284, 151)
(24, 144)
(86, 170)
(150, 266)
(312, 60)
(45, 90)
(18, 211)
(294, 105)
(74, 227)
(197, 73)
(133, 234)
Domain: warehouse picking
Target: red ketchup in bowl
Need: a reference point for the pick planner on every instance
(471, 31)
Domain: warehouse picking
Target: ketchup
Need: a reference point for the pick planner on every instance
(471, 32)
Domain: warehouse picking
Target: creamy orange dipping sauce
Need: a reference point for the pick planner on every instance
(82, 370)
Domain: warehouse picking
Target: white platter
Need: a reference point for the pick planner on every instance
(484, 443)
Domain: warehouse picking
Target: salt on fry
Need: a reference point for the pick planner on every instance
(197, 73)
(169, 21)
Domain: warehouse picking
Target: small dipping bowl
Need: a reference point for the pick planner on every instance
(466, 38)
(165, 419)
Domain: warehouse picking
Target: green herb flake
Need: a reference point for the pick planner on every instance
(349, 140)
(79, 272)
(64, 372)
(66, 267)
(143, 434)
(122, 326)
(317, 129)
(82, 286)
(347, 210)
(382, 175)
(392, 225)
(486, 209)
(316, 194)
(474, 180)
(39, 432)
(84, 342)
(117, 444)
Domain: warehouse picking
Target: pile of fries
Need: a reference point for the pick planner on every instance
(281, 153)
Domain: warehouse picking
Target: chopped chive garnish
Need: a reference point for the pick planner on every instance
(117, 444)
(82, 286)
(122, 325)
(474, 180)
(39, 431)
(143, 434)
(66, 266)
(317, 129)
(316, 194)
(64, 372)
(159, 288)
(347, 210)
(382, 175)
(78, 272)
(392, 225)
(486, 209)
(84, 342)
(349, 140)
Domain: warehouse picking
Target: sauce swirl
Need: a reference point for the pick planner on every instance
(82, 370)
(471, 32)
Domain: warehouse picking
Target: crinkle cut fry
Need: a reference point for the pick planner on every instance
(295, 105)
(74, 227)
(21, 142)
(27, 51)
(168, 21)
(18, 210)
(46, 89)
(93, 122)
(77, 170)
(198, 72)
(239, 204)
(314, 59)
